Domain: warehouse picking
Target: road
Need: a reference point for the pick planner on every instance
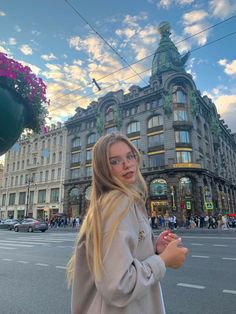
(32, 274)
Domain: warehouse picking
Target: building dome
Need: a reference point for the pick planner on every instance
(167, 57)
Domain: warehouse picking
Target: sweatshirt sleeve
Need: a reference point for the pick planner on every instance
(126, 277)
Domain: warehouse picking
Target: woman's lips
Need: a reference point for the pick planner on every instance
(128, 175)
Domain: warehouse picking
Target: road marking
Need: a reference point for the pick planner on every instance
(229, 291)
(15, 244)
(41, 264)
(205, 237)
(200, 256)
(223, 245)
(197, 244)
(64, 246)
(7, 248)
(229, 258)
(7, 259)
(23, 262)
(22, 242)
(190, 286)
(61, 267)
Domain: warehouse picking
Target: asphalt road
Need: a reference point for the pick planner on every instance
(32, 274)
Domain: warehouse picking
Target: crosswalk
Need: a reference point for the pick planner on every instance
(9, 241)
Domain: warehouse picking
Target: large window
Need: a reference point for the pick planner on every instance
(155, 140)
(109, 115)
(136, 142)
(76, 142)
(22, 198)
(91, 139)
(12, 198)
(185, 186)
(182, 136)
(158, 187)
(75, 157)
(156, 160)
(75, 173)
(54, 195)
(3, 199)
(180, 115)
(88, 171)
(88, 155)
(74, 196)
(179, 97)
(133, 127)
(41, 196)
(155, 121)
(184, 157)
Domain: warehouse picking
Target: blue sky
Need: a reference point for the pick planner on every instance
(61, 48)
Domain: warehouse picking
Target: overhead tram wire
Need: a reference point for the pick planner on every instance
(198, 48)
(105, 41)
(140, 60)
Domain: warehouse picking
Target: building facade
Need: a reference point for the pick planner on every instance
(188, 152)
(34, 174)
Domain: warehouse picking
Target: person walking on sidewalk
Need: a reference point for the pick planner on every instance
(117, 265)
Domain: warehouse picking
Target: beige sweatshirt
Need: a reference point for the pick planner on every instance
(131, 280)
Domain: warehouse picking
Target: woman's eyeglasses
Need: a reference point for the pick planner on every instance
(118, 161)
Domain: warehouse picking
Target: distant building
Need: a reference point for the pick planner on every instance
(188, 152)
(33, 175)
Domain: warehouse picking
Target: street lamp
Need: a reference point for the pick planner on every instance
(173, 197)
(28, 182)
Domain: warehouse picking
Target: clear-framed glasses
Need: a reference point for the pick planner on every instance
(119, 161)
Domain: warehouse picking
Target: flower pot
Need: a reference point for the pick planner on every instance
(13, 117)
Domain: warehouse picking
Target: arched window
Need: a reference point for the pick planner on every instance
(133, 127)
(158, 187)
(74, 196)
(155, 121)
(179, 96)
(91, 139)
(88, 193)
(76, 142)
(185, 186)
(109, 114)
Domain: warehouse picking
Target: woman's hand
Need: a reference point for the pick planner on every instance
(164, 239)
(174, 255)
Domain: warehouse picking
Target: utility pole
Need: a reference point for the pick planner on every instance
(28, 182)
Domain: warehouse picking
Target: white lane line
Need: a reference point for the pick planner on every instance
(23, 262)
(223, 245)
(229, 291)
(61, 267)
(8, 248)
(7, 259)
(200, 256)
(229, 258)
(22, 242)
(205, 237)
(64, 246)
(41, 264)
(15, 244)
(197, 244)
(190, 286)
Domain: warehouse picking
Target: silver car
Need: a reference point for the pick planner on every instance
(31, 225)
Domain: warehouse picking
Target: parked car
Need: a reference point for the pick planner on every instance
(8, 223)
(31, 225)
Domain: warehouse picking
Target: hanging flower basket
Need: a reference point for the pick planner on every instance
(23, 102)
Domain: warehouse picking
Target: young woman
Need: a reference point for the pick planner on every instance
(117, 266)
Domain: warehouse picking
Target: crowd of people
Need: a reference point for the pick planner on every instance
(192, 221)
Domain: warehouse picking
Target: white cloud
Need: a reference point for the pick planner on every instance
(17, 28)
(167, 3)
(229, 68)
(48, 57)
(36, 70)
(197, 28)
(3, 50)
(194, 16)
(12, 41)
(222, 8)
(26, 50)
(2, 13)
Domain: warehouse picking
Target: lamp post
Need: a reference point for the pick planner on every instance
(28, 182)
(173, 197)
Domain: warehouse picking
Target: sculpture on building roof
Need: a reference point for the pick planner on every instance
(167, 57)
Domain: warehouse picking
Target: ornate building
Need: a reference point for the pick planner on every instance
(33, 175)
(188, 152)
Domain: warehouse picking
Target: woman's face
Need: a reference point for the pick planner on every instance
(123, 162)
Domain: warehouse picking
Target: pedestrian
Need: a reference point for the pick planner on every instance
(117, 265)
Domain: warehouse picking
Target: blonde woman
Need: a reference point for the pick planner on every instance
(117, 266)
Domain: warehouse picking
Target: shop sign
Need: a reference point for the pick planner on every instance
(208, 205)
(188, 205)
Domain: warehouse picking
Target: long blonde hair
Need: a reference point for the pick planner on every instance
(107, 192)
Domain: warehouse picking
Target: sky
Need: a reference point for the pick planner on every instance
(70, 43)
